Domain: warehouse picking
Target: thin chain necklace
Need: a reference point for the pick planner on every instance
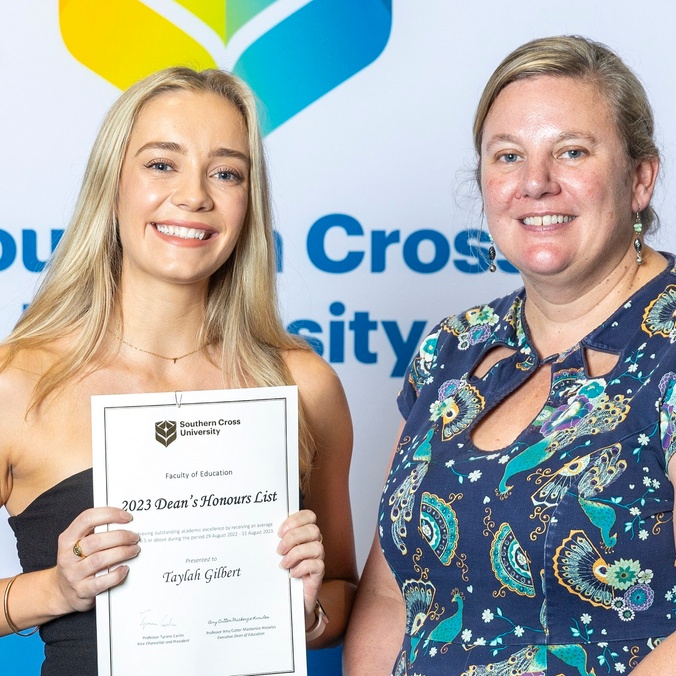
(155, 354)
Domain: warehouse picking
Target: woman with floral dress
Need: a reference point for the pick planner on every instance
(526, 525)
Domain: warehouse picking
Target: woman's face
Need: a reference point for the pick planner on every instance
(559, 191)
(184, 187)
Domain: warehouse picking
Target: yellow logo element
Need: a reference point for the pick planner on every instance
(124, 40)
(212, 12)
(280, 55)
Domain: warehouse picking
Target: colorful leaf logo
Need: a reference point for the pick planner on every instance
(291, 52)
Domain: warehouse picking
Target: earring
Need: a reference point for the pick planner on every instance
(638, 242)
(491, 255)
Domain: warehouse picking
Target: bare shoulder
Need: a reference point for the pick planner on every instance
(324, 402)
(18, 378)
(17, 381)
(317, 381)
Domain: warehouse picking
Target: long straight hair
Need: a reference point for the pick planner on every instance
(78, 295)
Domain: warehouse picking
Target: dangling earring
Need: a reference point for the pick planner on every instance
(491, 255)
(638, 242)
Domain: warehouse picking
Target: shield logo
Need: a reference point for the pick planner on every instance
(165, 432)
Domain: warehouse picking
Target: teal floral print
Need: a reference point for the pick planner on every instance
(555, 554)
(660, 315)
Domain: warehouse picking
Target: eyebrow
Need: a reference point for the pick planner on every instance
(572, 135)
(560, 138)
(500, 138)
(178, 148)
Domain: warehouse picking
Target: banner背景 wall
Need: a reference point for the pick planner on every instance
(368, 115)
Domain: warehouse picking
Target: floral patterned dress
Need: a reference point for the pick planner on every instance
(554, 555)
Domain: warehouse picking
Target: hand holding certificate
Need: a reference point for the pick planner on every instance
(209, 477)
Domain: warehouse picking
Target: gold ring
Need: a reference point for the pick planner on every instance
(77, 550)
(321, 538)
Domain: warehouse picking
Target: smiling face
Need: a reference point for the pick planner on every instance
(184, 187)
(559, 190)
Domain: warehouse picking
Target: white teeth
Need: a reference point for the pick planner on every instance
(547, 219)
(180, 231)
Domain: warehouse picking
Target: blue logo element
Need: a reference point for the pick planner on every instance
(312, 52)
(301, 58)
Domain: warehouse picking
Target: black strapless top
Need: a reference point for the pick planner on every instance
(70, 641)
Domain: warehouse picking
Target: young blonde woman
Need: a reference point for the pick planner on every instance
(164, 280)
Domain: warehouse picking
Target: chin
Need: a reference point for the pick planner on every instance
(545, 262)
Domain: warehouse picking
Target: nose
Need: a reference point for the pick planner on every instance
(191, 192)
(537, 179)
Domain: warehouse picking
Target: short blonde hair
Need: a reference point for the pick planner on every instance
(578, 57)
(79, 291)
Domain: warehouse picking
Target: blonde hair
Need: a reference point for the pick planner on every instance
(78, 293)
(580, 58)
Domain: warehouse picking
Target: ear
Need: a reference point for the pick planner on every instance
(643, 185)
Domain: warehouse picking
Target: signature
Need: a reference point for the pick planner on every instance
(245, 619)
(150, 619)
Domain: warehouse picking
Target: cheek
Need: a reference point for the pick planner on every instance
(243, 205)
(234, 208)
(596, 192)
(497, 192)
(127, 201)
(136, 195)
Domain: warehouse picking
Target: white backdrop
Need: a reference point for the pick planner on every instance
(389, 149)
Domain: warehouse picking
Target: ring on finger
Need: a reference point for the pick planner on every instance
(77, 550)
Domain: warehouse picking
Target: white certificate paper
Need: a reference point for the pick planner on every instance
(209, 477)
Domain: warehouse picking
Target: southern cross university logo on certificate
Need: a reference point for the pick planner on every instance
(165, 432)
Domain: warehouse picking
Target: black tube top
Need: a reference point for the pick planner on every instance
(70, 641)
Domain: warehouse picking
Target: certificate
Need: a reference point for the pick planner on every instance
(208, 477)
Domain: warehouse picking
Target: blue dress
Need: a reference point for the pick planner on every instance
(554, 555)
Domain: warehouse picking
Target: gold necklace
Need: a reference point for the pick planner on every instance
(155, 354)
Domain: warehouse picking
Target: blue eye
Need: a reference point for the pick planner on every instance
(509, 157)
(159, 165)
(573, 153)
(227, 175)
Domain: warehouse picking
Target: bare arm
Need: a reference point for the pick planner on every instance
(659, 661)
(330, 571)
(71, 585)
(379, 617)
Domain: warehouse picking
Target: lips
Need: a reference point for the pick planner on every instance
(182, 231)
(547, 219)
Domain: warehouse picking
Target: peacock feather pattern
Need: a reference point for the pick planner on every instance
(510, 563)
(402, 500)
(591, 474)
(457, 406)
(582, 570)
(591, 411)
(439, 526)
(418, 597)
(531, 660)
(580, 500)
